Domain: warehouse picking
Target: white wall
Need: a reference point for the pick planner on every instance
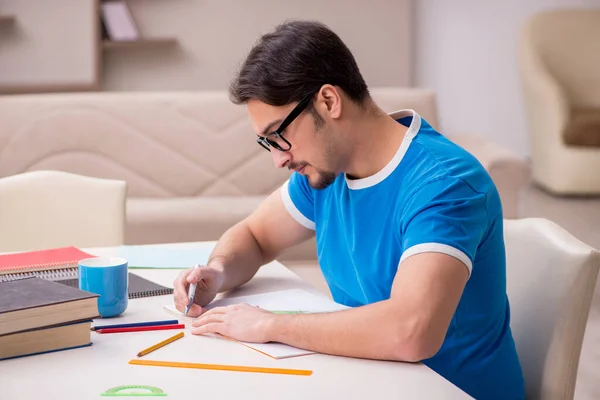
(466, 52)
(215, 36)
(37, 56)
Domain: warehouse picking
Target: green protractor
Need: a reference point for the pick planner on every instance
(134, 391)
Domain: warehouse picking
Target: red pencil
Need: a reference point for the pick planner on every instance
(141, 328)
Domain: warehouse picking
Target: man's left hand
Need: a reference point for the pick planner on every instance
(241, 322)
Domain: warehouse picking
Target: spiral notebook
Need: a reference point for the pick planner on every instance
(50, 264)
(138, 287)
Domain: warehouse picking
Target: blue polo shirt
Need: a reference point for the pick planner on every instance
(433, 196)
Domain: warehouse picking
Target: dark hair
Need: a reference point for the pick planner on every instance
(295, 60)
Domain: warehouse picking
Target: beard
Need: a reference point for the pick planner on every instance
(318, 180)
(322, 180)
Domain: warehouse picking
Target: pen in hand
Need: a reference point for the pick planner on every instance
(191, 293)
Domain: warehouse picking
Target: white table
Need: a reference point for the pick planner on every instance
(87, 372)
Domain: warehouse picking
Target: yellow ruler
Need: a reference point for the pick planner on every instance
(220, 367)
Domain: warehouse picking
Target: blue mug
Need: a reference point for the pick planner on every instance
(108, 277)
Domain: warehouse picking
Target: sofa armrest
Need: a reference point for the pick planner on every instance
(509, 172)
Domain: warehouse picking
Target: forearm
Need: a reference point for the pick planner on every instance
(364, 332)
(238, 255)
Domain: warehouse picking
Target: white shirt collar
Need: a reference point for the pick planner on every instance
(412, 131)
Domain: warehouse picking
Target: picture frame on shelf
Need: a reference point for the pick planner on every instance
(118, 21)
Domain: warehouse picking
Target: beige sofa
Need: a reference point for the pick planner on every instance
(190, 159)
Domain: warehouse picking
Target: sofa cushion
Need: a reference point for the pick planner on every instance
(191, 219)
(185, 219)
(583, 128)
(164, 145)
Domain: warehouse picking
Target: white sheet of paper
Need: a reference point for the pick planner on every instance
(164, 257)
(284, 300)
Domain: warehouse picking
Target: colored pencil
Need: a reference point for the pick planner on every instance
(134, 324)
(221, 367)
(141, 328)
(161, 344)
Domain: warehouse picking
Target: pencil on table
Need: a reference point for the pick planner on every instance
(141, 328)
(137, 324)
(161, 344)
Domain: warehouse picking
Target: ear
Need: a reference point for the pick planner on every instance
(330, 101)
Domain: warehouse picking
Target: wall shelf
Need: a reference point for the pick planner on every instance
(140, 43)
(7, 20)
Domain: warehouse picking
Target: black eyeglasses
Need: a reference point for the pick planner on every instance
(278, 141)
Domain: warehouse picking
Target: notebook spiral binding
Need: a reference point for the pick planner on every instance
(51, 275)
(42, 267)
(138, 287)
(157, 292)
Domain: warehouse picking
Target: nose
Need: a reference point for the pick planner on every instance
(280, 158)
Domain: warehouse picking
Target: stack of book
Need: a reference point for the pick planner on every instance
(40, 316)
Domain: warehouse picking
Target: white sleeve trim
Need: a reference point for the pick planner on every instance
(293, 210)
(437, 248)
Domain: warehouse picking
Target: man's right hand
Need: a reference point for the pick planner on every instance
(239, 253)
(209, 281)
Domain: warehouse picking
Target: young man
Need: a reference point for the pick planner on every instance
(408, 225)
